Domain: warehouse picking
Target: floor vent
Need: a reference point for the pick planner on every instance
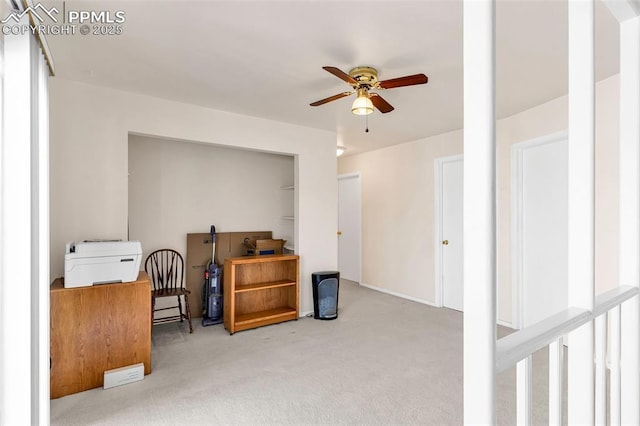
(123, 375)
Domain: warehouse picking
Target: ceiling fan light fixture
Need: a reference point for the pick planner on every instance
(362, 105)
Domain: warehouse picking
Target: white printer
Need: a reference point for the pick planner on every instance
(101, 261)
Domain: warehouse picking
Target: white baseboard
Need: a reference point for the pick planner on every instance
(423, 301)
(401, 295)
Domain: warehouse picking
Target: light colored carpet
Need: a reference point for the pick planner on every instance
(383, 361)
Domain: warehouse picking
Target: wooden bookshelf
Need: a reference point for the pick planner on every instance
(260, 290)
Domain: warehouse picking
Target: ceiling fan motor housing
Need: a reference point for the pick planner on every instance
(365, 76)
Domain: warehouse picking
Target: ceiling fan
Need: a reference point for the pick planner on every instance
(363, 80)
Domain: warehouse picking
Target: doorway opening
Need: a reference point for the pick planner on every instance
(349, 226)
(448, 236)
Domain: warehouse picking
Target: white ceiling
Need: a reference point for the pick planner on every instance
(264, 58)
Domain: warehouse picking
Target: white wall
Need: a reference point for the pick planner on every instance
(398, 195)
(178, 187)
(398, 214)
(90, 128)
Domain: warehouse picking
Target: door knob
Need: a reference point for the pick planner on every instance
(445, 242)
(339, 233)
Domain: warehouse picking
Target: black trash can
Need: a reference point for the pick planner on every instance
(325, 294)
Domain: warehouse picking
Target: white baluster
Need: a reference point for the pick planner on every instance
(614, 366)
(601, 370)
(556, 373)
(524, 391)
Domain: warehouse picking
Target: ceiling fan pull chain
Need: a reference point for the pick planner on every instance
(366, 129)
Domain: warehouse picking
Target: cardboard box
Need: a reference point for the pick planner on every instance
(228, 244)
(265, 246)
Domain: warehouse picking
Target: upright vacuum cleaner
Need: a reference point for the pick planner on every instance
(212, 288)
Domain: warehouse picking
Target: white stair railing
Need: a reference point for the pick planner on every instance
(609, 323)
(516, 350)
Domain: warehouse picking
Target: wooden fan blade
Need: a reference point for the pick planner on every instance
(408, 80)
(378, 102)
(330, 98)
(341, 75)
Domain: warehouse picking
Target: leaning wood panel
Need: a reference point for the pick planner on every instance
(228, 244)
(97, 328)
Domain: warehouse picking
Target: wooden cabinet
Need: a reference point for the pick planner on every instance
(97, 328)
(260, 290)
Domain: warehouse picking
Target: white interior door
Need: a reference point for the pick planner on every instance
(543, 237)
(349, 226)
(451, 217)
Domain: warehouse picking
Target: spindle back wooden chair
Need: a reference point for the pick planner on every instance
(165, 267)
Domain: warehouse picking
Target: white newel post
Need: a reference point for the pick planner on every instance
(16, 310)
(40, 223)
(24, 230)
(581, 207)
(479, 217)
(630, 216)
